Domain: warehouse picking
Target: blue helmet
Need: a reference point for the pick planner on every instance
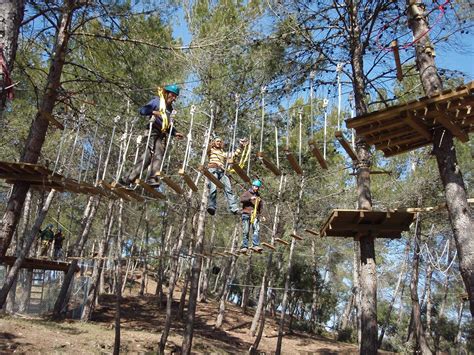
(49, 226)
(257, 183)
(172, 88)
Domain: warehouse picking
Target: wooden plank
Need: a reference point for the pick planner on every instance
(40, 264)
(296, 236)
(239, 171)
(317, 154)
(418, 125)
(379, 127)
(293, 162)
(131, 193)
(52, 120)
(269, 164)
(171, 183)
(281, 241)
(211, 177)
(150, 190)
(408, 138)
(187, 179)
(347, 147)
(269, 246)
(115, 191)
(452, 127)
(310, 231)
(398, 63)
(392, 151)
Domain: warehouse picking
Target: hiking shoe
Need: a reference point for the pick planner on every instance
(236, 212)
(243, 250)
(153, 182)
(257, 249)
(211, 211)
(125, 182)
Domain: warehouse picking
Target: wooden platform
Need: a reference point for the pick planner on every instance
(40, 264)
(39, 176)
(405, 127)
(359, 223)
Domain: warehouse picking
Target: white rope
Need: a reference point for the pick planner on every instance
(116, 119)
(325, 105)
(339, 94)
(262, 124)
(150, 127)
(189, 140)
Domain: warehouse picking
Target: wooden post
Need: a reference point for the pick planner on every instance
(398, 63)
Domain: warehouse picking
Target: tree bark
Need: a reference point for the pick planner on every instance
(460, 214)
(11, 16)
(246, 291)
(175, 253)
(98, 265)
(416, 310)
(195, 272)
(429, 304)
(266, 276)
(118, 281)
(228, 280)
(288, 270)
(395, 293)
(207, 266)
(15, 269)
(39, 127)
(76, 250)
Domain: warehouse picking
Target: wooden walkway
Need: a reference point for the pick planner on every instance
(359, 223)
(38, 176)
(408, 126)
(38, 264)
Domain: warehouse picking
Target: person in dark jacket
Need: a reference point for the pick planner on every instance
(160, 107)
(58, 244)
(46, 237)
(252, 207)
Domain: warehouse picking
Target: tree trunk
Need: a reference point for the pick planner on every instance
(39, 127)
(288, 270)
(416, 311)
(25, 299)
(395, 293)
(98, 265)
(207, 266)
(266, 275)
(15, 269)
(76, 250)
(118, 281)
(145, 258)
(159, 272)
(429, 304)
(196, 270)
(246, 291)
(441, 311)
(347, 312)
(459, 211)
(228, 280)
(175, 253)
(21, 237)
(11, 16)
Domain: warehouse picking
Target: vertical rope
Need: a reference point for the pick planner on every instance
(325, 105)
(150, 127)
(300, 134)
(168, 141)
(262, 124)
(94, 139)
(339, 93)
(116, 119)
(311, 121)
(188, 143)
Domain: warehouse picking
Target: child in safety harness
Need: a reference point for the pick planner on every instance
(216, 165)
(252, 207)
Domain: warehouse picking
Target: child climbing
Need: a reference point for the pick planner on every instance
(160, 107)
(46, 237)
(252, 207)
(217, 161)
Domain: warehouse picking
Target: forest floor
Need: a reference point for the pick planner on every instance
(141, 326)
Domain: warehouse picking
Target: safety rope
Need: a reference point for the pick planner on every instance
(164, 116)
(253, 217)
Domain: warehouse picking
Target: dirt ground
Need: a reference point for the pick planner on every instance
(142, 322)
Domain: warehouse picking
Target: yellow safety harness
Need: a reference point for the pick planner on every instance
(243, 158)
(253, 217)
(164, 116)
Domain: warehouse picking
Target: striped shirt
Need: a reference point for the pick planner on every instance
(218, 157)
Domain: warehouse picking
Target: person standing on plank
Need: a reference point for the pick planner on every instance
(46, 237)
(216, 165)
(252, 207)
(58, 245)
(160, 108)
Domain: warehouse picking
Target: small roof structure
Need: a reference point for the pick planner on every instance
(404, 127)
(359, 223)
